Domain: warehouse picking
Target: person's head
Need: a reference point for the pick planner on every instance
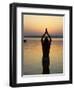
(46, 39)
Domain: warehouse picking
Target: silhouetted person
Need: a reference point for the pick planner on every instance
(46, 42)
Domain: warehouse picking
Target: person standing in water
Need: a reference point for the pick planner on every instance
(46, 43)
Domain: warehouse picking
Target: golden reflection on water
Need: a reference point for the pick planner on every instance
(32, 57)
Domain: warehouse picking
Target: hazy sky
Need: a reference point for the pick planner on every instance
(34, 25)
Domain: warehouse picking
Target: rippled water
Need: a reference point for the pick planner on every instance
(32, 57)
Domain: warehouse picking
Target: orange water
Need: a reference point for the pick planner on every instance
(32, 57)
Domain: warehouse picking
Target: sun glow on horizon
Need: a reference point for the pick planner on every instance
(36, 24)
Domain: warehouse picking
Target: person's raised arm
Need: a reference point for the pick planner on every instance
(42, 37)
(49, 36)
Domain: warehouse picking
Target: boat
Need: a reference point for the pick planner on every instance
(25, 40)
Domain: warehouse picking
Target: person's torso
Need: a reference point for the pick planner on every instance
(46, 49)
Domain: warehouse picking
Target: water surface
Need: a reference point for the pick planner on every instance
(32, 56)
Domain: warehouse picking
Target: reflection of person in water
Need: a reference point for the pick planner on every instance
(46, 42)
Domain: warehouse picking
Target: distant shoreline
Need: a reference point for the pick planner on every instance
(40, 36)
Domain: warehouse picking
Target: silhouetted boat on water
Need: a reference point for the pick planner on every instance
(25, 40)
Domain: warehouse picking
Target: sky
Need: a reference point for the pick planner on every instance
(34, 25)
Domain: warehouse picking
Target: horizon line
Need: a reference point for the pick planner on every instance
(41, 36)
